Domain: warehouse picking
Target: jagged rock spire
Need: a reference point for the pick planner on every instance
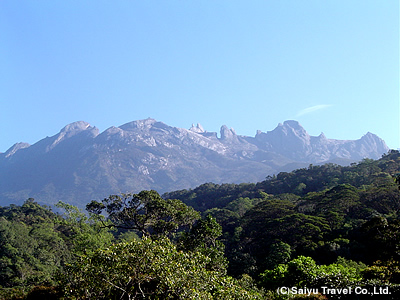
(198, 128)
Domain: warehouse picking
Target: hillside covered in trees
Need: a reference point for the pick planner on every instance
(323, 230)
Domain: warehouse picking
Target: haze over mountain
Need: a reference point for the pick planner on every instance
(80, 164)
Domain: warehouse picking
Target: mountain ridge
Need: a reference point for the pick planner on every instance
(81, 163)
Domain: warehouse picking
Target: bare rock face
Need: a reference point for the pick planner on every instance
(289, 139)
(80, 164)
(15, 148)
(197, 129)
(227, 134)
(72, 130)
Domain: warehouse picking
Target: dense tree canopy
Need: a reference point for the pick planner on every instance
(145, 212)
(322, 225)
(150, 269)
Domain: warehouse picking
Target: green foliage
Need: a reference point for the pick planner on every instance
(228, 219)
(36, 244)
(145, 212)
(31, 248)
(241, 205)
(202, 238)
(357, 266)
(128, 236)
(328, 214)
(211, 195)
(203, 234)
(83, 233)
(279, 253)
(336, 276)
(397, 179)
(303, 271)
(12, 293)
(317, 211)
(383, 272)
(274, 278)
(152, 269)
(377, 239)
(274, 221)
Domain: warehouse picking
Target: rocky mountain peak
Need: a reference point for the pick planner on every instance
(371, 143)
(226, 133)
(373, 139)
(294, 127)
(370, 135)
(289, 130)
(148, 154)
(71, 130)
(197, 129)
(15, 148)
(75, 127)
(293, 124)
(139, 124)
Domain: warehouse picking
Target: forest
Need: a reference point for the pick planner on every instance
(322, 232)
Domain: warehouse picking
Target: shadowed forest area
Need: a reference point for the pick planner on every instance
(327, 228)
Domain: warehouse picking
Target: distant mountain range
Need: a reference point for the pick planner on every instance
(80, 164)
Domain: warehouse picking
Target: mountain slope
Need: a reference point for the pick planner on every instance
(80, 164)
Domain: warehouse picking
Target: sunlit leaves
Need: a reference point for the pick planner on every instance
(152, 269)
(304, 271)
(145, 212)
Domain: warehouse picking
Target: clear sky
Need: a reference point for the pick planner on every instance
(332, 65)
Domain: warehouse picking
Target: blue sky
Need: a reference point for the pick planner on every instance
(332, 65)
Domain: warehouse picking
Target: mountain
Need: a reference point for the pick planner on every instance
(80, 164)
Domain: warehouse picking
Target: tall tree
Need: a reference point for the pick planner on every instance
(145, 212)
